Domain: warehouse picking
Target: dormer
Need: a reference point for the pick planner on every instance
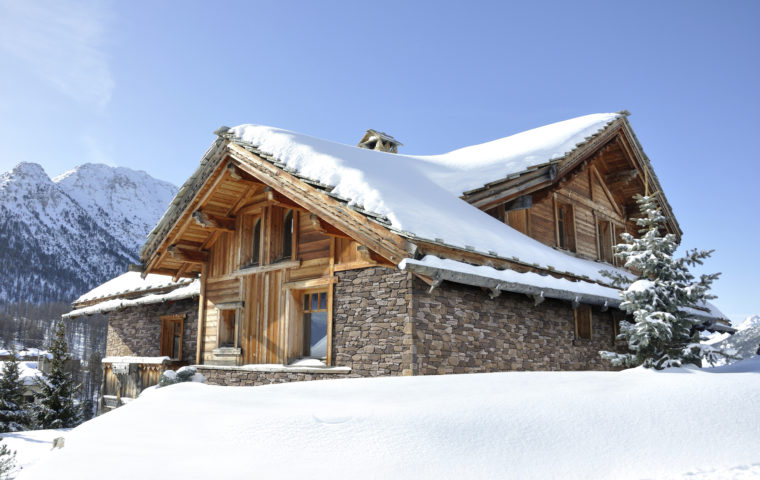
(374, 140)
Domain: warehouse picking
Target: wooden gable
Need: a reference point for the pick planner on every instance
(583, 202)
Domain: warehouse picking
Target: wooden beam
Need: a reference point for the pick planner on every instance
(606, 191)
(180, 272)
(325, 228)
(184, 254)
(621, 177)
(214, 222)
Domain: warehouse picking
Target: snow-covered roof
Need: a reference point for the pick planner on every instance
(420, 195)
(28, 372)
(130, 282)
(190, 290)
(27, 353)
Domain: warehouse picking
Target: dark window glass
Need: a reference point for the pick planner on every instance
(256, 253)
(287, 235)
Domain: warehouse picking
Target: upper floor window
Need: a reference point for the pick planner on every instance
(565, 227)
(605, 233)
(256, 242)
(287, 235)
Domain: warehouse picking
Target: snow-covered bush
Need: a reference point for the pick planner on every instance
(184, 374)
(7, 461)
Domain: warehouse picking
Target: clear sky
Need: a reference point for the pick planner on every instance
(144, 85)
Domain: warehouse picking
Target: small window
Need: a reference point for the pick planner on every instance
(228, 323)
(605, 234)
(565, 227)
(583, 322)
(171, 336)
(256, 243)
(287, 235)
(315, 325)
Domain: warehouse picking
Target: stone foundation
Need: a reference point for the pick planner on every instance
(253, 375)
(136, 331)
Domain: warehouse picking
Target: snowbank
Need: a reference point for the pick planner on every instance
(632, 424)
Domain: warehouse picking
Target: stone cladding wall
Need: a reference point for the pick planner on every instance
(239, 377)
(136, 331)
(460, 329)
(372, 322)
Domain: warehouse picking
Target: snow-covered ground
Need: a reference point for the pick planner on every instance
(678, 423)
(30, 447)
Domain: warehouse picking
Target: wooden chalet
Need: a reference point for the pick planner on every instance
(319, 260)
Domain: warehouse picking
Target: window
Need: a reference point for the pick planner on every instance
(583, 322)
(228, 322)
(287, 235)
(315, 324)
(565, 227)
(605, 232)
(171, 336)
(256, 242)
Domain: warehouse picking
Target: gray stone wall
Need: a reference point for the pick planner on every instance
(136, 331)
(243, 378)
(372, 322)
(460, 329)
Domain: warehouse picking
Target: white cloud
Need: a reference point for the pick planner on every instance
(61, 42)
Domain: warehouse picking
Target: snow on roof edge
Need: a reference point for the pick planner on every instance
(190, 290)
(543, 285)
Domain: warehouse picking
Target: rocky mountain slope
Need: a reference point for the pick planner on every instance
(745, 342)
(59, 238)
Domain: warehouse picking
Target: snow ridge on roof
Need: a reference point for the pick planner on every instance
(130, 282)
(188, 290)
(420, 194)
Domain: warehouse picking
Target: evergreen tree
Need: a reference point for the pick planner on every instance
(56, 407)
(7, 461)
(664, 332)
(14, 415)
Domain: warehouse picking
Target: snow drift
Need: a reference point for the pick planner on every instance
(631, 424)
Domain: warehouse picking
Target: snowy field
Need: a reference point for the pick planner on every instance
(678, 423)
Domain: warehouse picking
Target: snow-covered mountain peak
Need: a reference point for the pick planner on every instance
(62, 237)
(749, 322)
(24, 173)
(127, 202)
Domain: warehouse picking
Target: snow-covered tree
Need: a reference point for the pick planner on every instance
(56, 407)
(14, 415)
(664, 332)
(7, 461)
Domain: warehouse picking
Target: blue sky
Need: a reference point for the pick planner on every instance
(144, 85)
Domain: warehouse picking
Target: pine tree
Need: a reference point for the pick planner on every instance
(14, 415)
(7, 461)
(56, 407)
(664, 332)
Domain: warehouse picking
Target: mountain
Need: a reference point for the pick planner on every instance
(126, 202)
(59, 239)
(745, 342)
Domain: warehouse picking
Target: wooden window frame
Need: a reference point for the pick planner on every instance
(605, 250)
(297, 290)
(583, 313)
(305, 310)
(220, 310)
(566, 240)
(168, 342)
